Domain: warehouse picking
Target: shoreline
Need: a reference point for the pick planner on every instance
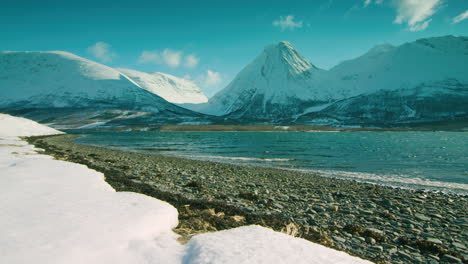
(277, 128)
(373, 222)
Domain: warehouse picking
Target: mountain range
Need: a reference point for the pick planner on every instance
(420, 82)
(63, 89)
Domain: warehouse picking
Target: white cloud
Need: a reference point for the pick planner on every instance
(287, 23)
(368, 2)
(460, 17)
(416, 13)
(171, 58)
(419, 26)
(210, 78)
(149, 57)
(191, 61)
(213, 78)
(101, 51)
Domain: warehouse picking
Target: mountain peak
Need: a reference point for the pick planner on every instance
(283, 55)
(281, 47)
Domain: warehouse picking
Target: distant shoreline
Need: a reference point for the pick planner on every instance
(373, 222)
(274, 128)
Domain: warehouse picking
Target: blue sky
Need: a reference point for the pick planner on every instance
(211, 41)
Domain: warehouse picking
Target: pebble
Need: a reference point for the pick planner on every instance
(434, 240)
(422, 217)
(339, 239)
(450, 259)
(314, 202)
(370, 240)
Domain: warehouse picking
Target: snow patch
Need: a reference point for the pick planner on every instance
(60, 212)
(173, 89)
(255, 244)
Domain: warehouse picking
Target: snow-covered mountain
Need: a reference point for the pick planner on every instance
(31, 81)
(421, 81)
(172, 89)
(277, 84)
(388, 84)
(386, 67)
(434, 102)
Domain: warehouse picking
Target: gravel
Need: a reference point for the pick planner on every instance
(384, 224)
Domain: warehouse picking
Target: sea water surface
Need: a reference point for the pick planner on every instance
(420, 160)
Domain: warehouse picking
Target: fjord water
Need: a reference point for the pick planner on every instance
(420, 160)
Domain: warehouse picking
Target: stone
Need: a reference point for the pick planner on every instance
(434, 240)
(277, 205)
(404, 255)
(318, 208)
(376, 231)
(459, 245)
(370, 240)
(450, 259)
(422, 217)
(377, 248)
(339, 239)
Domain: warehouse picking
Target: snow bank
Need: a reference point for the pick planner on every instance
(11, 126)
(60, 212)
(255, 244)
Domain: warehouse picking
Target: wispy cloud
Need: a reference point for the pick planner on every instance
(460, 17)
(287, 22)
(102, 51)
(149, 57)
(368, 2)
(416, 13)
(209, 78)
(213, 78)
(169, 57)
(191, 61)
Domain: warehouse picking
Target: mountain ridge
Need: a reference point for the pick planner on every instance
(424, 68)
(33, 81)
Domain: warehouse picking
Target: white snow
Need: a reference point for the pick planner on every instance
(60, 79)
(283, 77)
(263, 246)
(60, 212)
(22, 127)
(386, 67)
(173, 89)
(279, 74)
(32, 74)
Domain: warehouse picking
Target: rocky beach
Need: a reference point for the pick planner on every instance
(382, 224)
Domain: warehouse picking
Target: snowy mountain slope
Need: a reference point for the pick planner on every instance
(386, 67)
(421, 81)
(278, 83)
(445, 101)
(61, 79)
(31, 81)
(281, 85)
(171, 88)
